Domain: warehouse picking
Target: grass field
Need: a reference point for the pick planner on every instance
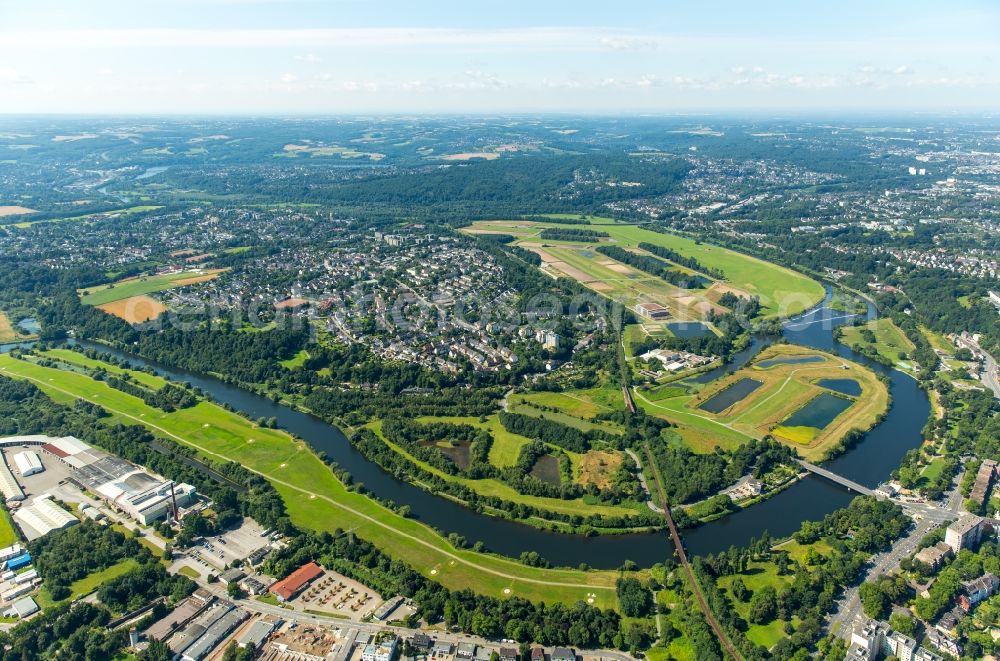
(88, 584)
(782, 292)
(786, 387)
(140, 286)
(890, 342)
(298, 360)
(315, 498)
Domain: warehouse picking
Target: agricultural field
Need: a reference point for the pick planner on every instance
(14, 210)
(782, 292)
(802, 397)
(135, 309)
(314, 497)
(144, 285)
(890, 342)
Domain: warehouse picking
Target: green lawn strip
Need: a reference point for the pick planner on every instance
(584, 404)
(497, 489)
(526, 408)
(89, 583)
(137, 287)
(190, 572)
(8, 533)
(69, 356)
(326, 504)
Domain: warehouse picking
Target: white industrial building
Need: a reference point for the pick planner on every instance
(43, 516)
(8, 485)
(146, 497)
(28, 463)
(22, 608)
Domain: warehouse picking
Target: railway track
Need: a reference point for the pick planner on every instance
(724, 641)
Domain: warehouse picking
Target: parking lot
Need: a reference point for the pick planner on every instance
(35, 485)
(216, 552)
(335, 593)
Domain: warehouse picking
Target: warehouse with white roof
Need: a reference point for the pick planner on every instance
(43, 516)
(8, 485)
(28, 463)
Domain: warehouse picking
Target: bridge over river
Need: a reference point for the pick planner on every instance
(839, 479)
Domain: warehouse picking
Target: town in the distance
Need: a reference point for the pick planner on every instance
(517, 389)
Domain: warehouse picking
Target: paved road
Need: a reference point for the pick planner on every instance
(369, 628)
(990, 377)
(927, 518)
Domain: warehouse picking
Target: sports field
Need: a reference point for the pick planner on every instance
(782, 292)
(314, 497)
(142, 285)
(790, 379)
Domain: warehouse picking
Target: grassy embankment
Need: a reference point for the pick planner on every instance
(782, 292)
(890, 342)
(786, 388)
(315, 498)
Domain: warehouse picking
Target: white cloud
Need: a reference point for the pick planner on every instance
(289, 78)
(308, 58)
(343, 38)
(627, 43)
(10, 76)
(901, 70)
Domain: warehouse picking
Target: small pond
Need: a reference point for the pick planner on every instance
(694, 281)
(546, 469)
(458, 452)
(819, 412)
(29, 325)
(790, 360)
(848, 387)
(686, 329)
(721, 401)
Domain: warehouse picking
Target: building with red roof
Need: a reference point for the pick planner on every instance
(286, 589)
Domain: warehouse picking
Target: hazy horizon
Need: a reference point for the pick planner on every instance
(351, 57)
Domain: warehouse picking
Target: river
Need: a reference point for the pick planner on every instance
(869, 462)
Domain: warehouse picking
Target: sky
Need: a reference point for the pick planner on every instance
(267, 57)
